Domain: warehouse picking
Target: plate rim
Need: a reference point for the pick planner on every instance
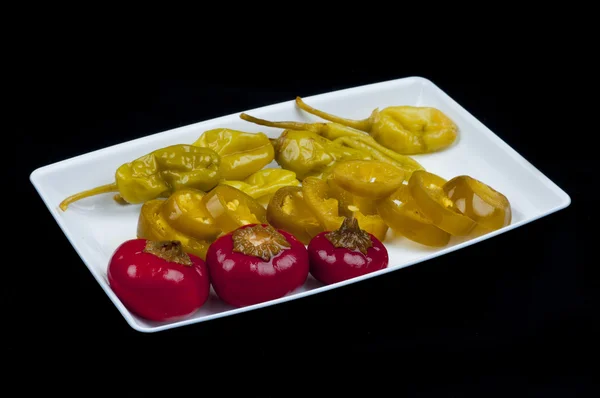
(37, 174)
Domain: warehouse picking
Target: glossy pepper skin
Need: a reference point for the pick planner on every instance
(320, 199)
(288, 211)
(157, 280)
(333, 135)
(480, 202)
(159, 173)
(405, 129)
(155, 222)
(404, 217)
(231, 208)
(345, 253)
(264, 183)
(256, 263)
(427, 189)
(241, 153)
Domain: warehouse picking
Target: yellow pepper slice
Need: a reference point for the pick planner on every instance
(232, 208)
(288, 211)
(368, 178)
(403, 216)
(185, 212)
(480, 202)
(427, 190)
(152, 225)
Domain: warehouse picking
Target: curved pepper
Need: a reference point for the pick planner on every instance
(159, 173)
(288, 211)
(403, 216)
(428, 192)
(264, 183)
(405, 129)
(153, 225)
(232, 208)
(185, 212)
(326, 207)
(241, 153)
(338, 135)
(479, 202)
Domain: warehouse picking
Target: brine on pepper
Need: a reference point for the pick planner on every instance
(404, 217)
(241, 153)
(263, 184)
(231, 208)
(427, 189)
(325, 206)
(287, 210)
(153, 225)
(332, 137)
(480, 202)
(408, 130)
(160, 173)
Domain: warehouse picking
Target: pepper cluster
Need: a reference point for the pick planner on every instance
(213, 213)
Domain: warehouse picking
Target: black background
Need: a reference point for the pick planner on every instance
(516, 309)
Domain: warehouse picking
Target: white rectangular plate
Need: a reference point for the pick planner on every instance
(96, 226)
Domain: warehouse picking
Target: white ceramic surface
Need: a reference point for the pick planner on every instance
(96, 226)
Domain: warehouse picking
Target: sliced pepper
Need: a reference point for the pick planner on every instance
(185, 211)
(241, 153)
(368, 178)
(264, 183)
(321, 204)
(288, 211)
(232, 208)
(325, 206)
(479, 201)
(428, 192)
(152, 225)
(404, 217)
(348, 203)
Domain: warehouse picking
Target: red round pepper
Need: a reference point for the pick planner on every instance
(345, 253)
(256, 263)
(158, 280)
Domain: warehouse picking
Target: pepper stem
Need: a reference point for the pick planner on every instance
(350, 236)
(363, 125)
(314, 127)
(168, 250)
(85, 194)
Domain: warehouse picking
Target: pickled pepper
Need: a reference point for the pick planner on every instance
(288, 211)
(241, 153)
(407, 130)
(262, 184)
(337, 135)
(159, 173)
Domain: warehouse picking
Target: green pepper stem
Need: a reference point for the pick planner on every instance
(314, 127)
(85, 194)
(363, 125)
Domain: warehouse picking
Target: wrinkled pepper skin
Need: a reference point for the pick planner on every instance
(160, 173)
(264, 183)
(167, 170)
(334, 139)
(308, 154)
(407, 130)
(241, 153)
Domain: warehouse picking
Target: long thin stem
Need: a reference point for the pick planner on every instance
(314, 127)
(85, 194)
(363, 125)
